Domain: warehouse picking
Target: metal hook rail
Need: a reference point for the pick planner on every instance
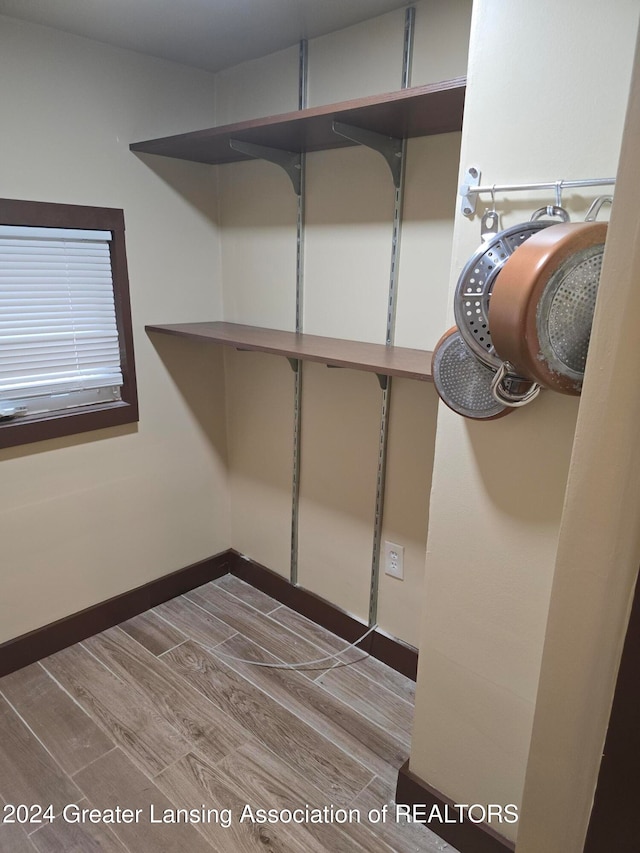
(471, 188)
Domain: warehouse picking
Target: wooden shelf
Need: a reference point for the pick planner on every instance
(419, 111)
(373, 358)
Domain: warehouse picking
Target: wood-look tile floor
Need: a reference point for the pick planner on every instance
(156, 715)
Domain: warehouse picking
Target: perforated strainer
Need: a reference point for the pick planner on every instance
(462, 381)
(477, 279)
(565, 312)
(542, 305)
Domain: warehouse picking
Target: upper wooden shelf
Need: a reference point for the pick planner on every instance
(419, 111)
(373, 358)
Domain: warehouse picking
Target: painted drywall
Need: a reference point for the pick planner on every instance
(257, 207)
(265, 86)
(498, 487)
(88, 517)
(260, 436)
(441, 39)
(348, 244)
(349, 208)
(340, 427)
(366, 59)
(425, 251)
(410, 450)
(361, 60)
(599, 545)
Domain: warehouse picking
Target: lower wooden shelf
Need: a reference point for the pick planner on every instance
(373, 358)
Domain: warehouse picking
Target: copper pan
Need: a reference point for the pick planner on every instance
(542, 305)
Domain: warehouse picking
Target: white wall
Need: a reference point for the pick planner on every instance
(539, 75)
(87, 517)
(348, 252)
(260, 433)
(599, 546)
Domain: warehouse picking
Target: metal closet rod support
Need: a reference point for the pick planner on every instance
(471, 189)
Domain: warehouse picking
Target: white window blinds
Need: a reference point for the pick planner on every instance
(58, 333)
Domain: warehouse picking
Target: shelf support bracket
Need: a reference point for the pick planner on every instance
(294, 363)
(383, 381)
(290, 161)
(390, 147)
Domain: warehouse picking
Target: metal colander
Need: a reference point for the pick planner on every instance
(565, 312)
(475, 283)
(462, 381)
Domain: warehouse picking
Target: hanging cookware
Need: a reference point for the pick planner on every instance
(542, 306)
(477, 279)
(462, 381)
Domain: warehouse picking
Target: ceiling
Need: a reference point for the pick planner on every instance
(209, 34)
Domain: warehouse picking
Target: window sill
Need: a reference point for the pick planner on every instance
(60, 424)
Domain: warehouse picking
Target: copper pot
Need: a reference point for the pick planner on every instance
(542, 306)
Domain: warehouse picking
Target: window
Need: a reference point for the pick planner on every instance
(66, 347)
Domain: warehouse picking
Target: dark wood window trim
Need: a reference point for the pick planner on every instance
(72, 421)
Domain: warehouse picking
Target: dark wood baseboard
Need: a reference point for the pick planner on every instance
(14, 654)
(44, 641)
(396, 654)
(465, 836)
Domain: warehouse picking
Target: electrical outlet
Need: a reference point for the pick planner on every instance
(394, 560)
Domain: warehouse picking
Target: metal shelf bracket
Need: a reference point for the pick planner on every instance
(290, 161)
(383, 381)
(294, 363)
(390, 147)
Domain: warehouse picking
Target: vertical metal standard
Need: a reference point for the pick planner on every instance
(297, 393)
(407, 56)
(302, 103)
(303, 72)
(409, 27)
(395, 248)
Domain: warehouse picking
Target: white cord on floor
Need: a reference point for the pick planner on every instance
(217, 651)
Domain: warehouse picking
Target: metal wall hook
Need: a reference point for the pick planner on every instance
(506, 387)
(559, 193)
(490, 222)
(551, 211)
(596, 205)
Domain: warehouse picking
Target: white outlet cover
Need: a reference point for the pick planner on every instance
(394, 560)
